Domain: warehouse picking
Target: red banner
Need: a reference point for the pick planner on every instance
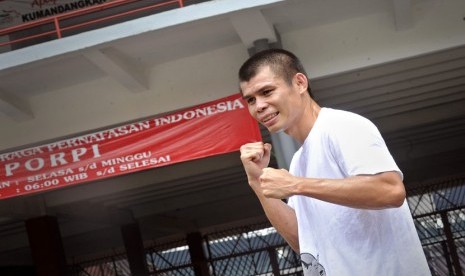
(212, 128)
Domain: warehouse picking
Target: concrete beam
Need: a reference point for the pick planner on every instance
(168, 224)
(23, 208)
(96, 213)
(15, 107)
(403, 14)
(251, 25)
(123, 69)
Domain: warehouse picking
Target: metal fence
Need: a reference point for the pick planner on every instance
(439, 214)
(257, 250)
(170, 259)
(116, 264)
(438, 211)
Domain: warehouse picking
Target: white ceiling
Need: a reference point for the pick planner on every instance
(418, 102)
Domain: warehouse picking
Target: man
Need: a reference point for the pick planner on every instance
(346, 212)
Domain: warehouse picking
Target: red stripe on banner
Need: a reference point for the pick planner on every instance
(209, 129)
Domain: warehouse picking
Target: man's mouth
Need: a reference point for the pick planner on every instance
(269, 117)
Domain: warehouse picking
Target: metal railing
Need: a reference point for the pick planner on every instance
(56, 21)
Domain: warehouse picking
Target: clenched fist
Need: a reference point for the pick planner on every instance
(255, 157)
(272, 183)
(277, 183)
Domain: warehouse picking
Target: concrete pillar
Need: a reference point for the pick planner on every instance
(46, 246)
(134, 249)
(194, 241)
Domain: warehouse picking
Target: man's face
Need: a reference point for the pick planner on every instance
(271, 100)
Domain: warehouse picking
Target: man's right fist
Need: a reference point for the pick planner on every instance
(255, 157)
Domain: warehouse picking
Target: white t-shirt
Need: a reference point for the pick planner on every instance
(339, 241)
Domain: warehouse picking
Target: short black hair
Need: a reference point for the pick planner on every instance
(282, 62)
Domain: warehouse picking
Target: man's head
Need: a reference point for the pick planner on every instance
(283, 63)
(275, 88)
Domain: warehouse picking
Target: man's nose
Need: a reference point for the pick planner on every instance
(261, 105)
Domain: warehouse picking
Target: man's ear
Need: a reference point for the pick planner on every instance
(302, 82)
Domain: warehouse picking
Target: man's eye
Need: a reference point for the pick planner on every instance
(250, 100)
(266, 92)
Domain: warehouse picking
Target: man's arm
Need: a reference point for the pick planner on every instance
(255, 157)
(379, 191)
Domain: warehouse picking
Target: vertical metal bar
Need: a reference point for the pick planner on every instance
(451, 244)
(273, 261)
(153, 262)
(210, 256)
(102, 271)
(446, 255)
(250, 248)
(229, 259)
(114, 266)
(57, 26)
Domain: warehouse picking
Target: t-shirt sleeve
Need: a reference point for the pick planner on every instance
(359, 147)
(291, 202)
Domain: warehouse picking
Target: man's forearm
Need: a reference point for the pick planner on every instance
(380, 191)
(283, 219)
(377, 191)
